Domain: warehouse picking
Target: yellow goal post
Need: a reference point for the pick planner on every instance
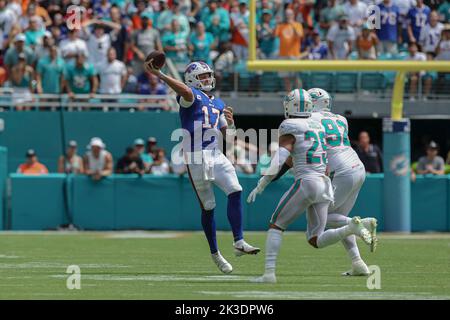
(401, 67)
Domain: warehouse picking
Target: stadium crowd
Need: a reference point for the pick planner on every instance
(105, 54)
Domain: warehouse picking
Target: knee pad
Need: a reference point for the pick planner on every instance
(209, 205)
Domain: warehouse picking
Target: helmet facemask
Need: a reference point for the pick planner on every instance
(206, 83)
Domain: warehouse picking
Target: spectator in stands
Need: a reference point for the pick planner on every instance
(42, 49)
(290, 34)
(367, 43)
(390, 27)
(443, 47)
(80, 77)
(8, 18)
(430, 35)
(32, 166)
(415, 77)
(59, 28)
(318, 50)
(444, 11)
(417, 18)
(71, 162)
(72, 46)
(98, 162)
(149, 84)
(143, 42)
(34, 8)
(132, 82)
(152, 146)
(140, 10)
(21, 77)
(102, 9)
(147, 158)
(201, 43)
(49, 72)
(175, 45)
(369, 154)
(223, 64)
(403, 6)
(131, 162)
(113, 74)
(167, 16)
(12, 54)
(35, 32)
(98, 44)
(266, 39)
(239, 29)
(357, 14)
(160, 164)
(432, 163)
(329, 15)
(120, 37)
(340, 39)
(216, 20)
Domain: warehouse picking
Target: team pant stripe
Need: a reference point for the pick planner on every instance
(193, 186)
(283, 204)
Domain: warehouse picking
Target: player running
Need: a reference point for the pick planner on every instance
(203, 114)
(302, 138)
(347, 175)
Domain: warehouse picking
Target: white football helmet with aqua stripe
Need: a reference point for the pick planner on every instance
(321, 99)
(297, 104)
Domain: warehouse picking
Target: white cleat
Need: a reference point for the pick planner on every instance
(359, 268)
(241, 248)
(265, 278)
(357, 228)
(371, 225)
(221, 263)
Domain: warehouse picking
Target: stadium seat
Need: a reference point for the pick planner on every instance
(270, 82)
(227, 82)
(304, 78)
(372, 81)
(246, 82)
(345, 82)
(322, 80)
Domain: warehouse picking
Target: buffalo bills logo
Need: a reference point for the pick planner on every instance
(191, 67)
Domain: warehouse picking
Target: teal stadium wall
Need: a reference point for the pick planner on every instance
(3, 177)
(46, 131)
(130, 202)
(124, 202)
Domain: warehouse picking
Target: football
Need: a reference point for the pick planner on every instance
(157, 59)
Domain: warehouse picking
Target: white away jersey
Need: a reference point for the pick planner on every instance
(308, 156)
(342, 159)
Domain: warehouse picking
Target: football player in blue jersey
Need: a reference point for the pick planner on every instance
(204, 115)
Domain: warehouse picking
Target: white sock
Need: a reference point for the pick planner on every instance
(273, 244)
(336, 220)
(350, 245)
(331, 236)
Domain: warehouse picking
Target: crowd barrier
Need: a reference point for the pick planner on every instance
(47, 132)
(149, 202)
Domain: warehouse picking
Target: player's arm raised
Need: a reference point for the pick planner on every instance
(286, 145)
(179, 87)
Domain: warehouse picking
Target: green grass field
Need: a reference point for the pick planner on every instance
(168, 265)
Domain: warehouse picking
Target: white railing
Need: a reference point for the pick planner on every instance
(16, 99)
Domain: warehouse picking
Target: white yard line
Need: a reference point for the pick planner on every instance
(340, 295)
